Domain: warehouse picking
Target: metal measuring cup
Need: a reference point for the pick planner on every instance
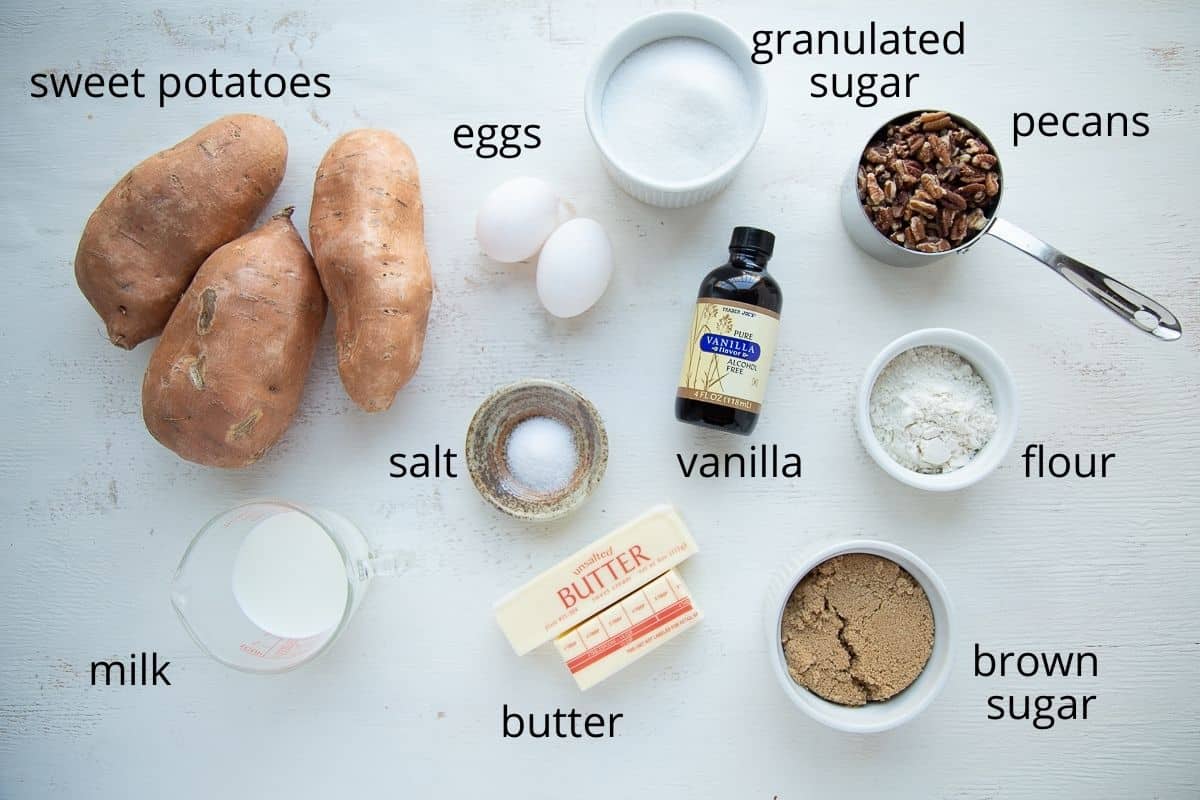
(1127, 303)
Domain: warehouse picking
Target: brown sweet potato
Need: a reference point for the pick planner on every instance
(368, 240)
(226, 377)
(153, 230)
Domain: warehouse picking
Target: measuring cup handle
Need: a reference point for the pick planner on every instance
(1137, 309)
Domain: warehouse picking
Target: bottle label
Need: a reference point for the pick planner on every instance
(729, 354)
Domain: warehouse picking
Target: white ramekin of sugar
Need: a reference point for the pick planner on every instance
(1003, 396)
(874, 716)
(674, 105)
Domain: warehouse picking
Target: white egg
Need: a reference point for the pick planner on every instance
(516, 218)
(574, 268)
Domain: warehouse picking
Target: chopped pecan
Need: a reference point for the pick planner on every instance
(917, 226)
(941, 149)
(928, 184)
(935, 121)
(874, 193)
(931, 186)
(902, 174)
(958, 231)
(877, 155)
(922, 207)
(955, 200)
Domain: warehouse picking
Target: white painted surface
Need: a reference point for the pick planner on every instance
(408, 703)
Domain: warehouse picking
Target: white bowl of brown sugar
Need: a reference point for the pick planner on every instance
(860, 635)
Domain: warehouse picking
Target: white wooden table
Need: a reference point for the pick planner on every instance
(408, 702)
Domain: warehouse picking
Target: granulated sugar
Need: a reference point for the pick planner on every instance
(676, 110)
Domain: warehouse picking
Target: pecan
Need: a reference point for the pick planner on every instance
(941, 149)
(935, 121)
(877, 155)
(958, 231)
(970, 189)
(931, 186)
(902, 174)
(928, 183)
(922, 207)
(949, 215)
(955, 200)
(992, 184)
(874, 193)
(917, 226)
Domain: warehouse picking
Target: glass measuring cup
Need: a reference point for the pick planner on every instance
(203, 591)
(1137, 309)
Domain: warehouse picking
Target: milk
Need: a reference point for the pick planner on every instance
(289, 578)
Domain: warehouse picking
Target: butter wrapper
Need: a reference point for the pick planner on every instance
(593, 578)
(627, 630)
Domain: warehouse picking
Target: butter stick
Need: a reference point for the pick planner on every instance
(595, 577)
(627, 630)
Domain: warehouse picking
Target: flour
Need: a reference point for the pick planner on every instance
(931, 411)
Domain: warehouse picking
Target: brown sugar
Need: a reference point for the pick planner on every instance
(857, 628)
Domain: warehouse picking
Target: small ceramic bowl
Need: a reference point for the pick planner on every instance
(641, 32)
(487, 440)
(886, 714)
(990, 367)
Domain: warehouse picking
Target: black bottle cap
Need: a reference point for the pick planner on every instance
(744, 238)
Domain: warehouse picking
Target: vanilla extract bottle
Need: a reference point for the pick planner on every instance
(732, 340)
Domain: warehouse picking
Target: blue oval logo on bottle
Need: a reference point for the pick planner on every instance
(730, 346)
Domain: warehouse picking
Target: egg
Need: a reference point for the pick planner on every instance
(515, 219)
(574, 268)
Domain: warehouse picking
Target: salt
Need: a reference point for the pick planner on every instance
(676, 110)
(541, 454)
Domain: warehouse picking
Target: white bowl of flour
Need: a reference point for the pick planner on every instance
(937, 409)
(674, 106)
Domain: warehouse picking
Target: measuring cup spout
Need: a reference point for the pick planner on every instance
(1137, 309)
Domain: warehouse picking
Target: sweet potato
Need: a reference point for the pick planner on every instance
(368, 240)
(153, 230)
(227, 374)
